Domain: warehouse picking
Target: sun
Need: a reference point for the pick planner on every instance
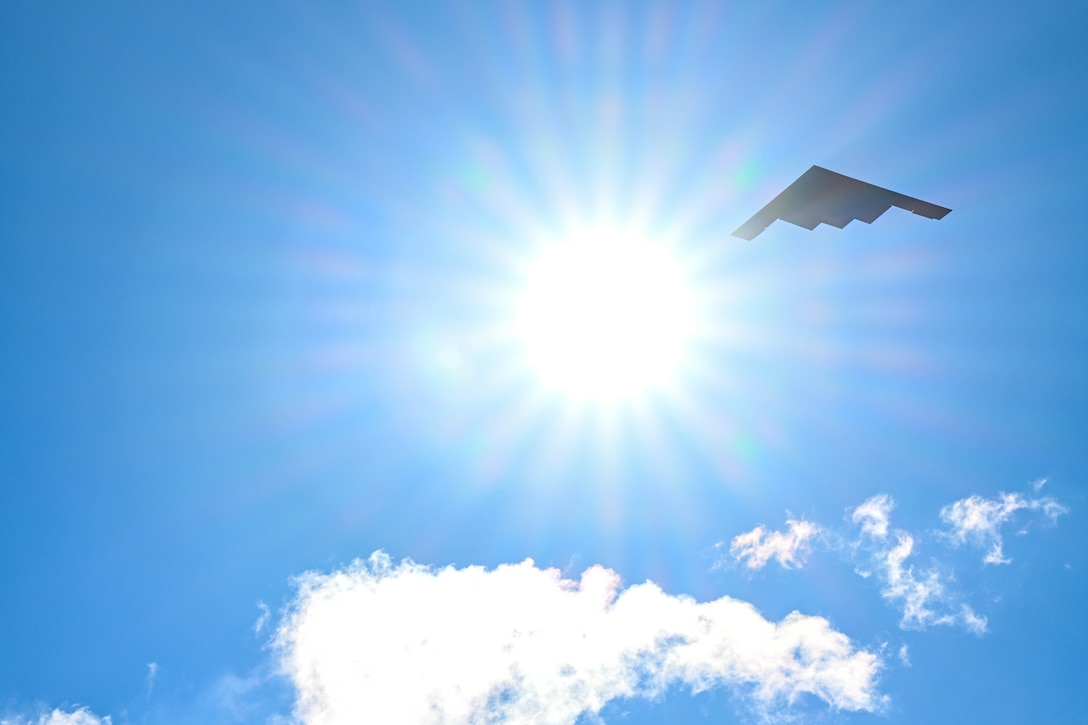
(605, 314)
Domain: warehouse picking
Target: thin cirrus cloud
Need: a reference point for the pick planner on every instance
(79, 716)
(923, 594)
(152, 672)
(263, 619)
(386, 642)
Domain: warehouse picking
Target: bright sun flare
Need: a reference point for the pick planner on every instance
(605, 315)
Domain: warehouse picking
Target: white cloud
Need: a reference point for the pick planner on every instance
(80, 716)
(901, 585)
(978, 520)
(923, 596)
(923, 593)
(152, 671)
(974, 622)
(756, 547)
(873, 515)
(382, 642)
(262, 620)
(234, 698)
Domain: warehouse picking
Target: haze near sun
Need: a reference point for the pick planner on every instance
(605, 314)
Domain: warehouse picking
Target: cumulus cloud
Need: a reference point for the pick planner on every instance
(756, 547)
(80, 716)
(978, 520)
(385, 642)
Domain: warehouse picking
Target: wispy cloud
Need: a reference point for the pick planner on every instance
(79, 716)
(922, 592)
(262, 619)
(974, 622)
(913, 593)
(385, 642)
(237, 698)
(978, 520)
(873, 516)
(152, 671)
(791, 548)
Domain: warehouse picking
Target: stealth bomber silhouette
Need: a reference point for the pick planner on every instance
(820, 196)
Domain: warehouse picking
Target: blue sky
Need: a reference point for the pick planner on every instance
(260, 273)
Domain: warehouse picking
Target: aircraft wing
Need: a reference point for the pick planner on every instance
(820, 196)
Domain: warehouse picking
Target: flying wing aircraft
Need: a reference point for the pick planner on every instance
(820, 196)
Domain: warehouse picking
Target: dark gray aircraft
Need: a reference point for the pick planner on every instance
(824, 197)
